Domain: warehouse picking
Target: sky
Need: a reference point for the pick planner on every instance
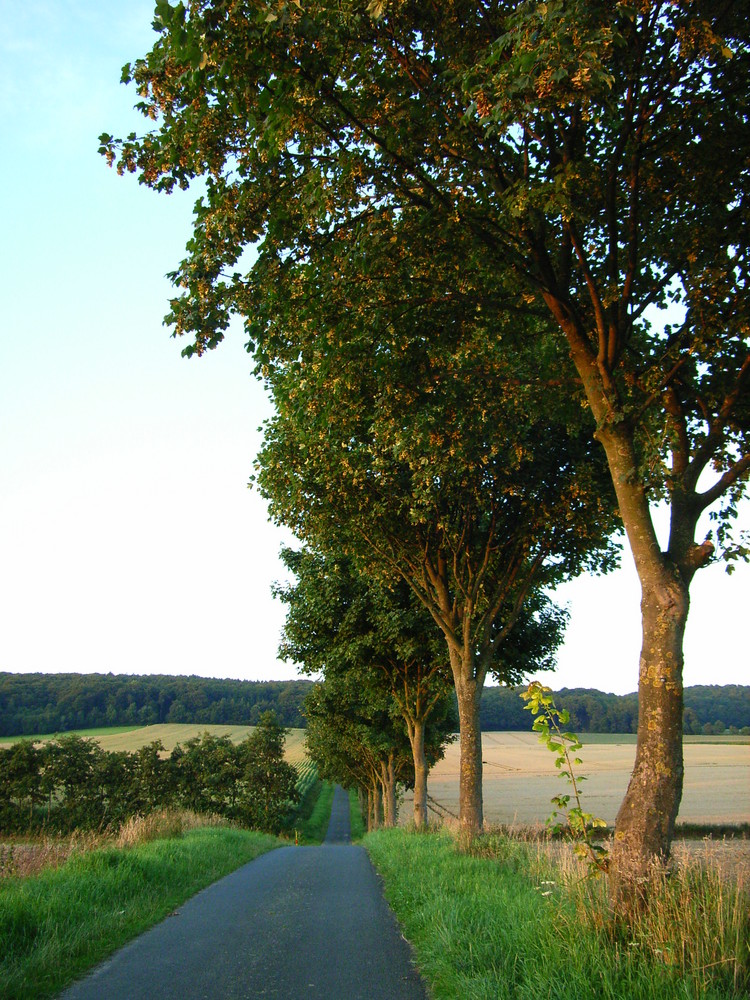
(129, 540)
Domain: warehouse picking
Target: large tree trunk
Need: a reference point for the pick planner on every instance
(416, 738)
(645, 822)
(469, 694)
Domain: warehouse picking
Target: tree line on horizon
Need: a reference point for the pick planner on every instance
(49, 703)
(32, 704)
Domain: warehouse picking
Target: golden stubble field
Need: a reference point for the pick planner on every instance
(520, 776)
(520, 779)
(172, 734)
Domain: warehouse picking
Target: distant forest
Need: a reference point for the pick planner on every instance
(56, 703)
(709, 710)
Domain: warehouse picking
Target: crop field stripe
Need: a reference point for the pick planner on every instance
(132, 738)
(86, 733)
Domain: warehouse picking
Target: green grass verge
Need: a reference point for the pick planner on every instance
(356, 820)
(311, 821)
(314, 814)
(488, 929)
(57, 925)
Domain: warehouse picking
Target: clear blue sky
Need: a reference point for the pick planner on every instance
(128, 538)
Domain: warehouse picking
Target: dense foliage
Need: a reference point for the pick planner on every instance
(56, 703)
(72, 783)
(383, 645)
(584, 162)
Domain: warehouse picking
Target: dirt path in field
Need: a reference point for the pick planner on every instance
(299, 922)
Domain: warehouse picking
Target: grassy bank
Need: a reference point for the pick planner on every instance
(57, 924)
(507, 923)
(356, 821)
(311, 821)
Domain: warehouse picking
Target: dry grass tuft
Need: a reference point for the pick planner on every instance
(20, 860)
(23, 859)
(697, 920)
(163, 824)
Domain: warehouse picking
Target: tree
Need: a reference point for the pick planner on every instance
(20, 783)
(388, 443)
(340, 622)
(268, 780)
(207, 773)
(355, 740)
(593, 152)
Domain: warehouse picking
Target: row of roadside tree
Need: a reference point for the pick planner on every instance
(497, 288)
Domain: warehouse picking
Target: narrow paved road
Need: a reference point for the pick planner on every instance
(299, 922)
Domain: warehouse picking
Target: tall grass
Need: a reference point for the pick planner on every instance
(509, 921)
(356, 819)
(56, 925)
(312, 822)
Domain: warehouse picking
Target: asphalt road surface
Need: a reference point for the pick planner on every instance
(298, 922)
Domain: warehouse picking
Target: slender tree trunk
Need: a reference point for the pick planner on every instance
(469, 694)
(388, 782)
(371, 808)
(416, 738)
(377, 798)
(392, 798)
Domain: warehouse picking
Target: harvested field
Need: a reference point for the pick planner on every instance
(172, 734)
(520, 779)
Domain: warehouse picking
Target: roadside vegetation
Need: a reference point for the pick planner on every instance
(58, 923)
(356, 819)
(67, 901)
(311, 823)
(72, 784)
(508, 919)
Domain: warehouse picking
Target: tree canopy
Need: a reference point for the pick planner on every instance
(341, 623)
(387, 445)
